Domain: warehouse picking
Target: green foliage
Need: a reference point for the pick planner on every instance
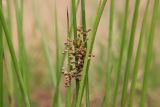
(14, 59)
(122, 38)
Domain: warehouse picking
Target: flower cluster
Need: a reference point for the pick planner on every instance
(76, 49)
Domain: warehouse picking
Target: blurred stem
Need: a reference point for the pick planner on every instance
(115, 90)
(8, 58)
(109, 61)
(130, 53)
(56, 97)
(149, 52)
(15, 63)
(137, 61)
(1, 62)
(18, 4)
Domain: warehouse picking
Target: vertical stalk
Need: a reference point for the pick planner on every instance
(18, 4)
(15, 63)
(130, 53)
(115, 91)
(149, 52)
(1, 62)
(109, 61)
(9, 61)
(74, 19)
(56, 97)
(83, 19)
(89, 51)
(137, 61)
(68, 92)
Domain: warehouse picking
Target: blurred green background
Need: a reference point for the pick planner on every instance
(39, 31)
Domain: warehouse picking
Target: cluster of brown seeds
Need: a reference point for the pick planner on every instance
(76, 49)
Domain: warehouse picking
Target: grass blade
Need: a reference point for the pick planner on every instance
(22, 52)
(56, 96)
(137, 61)
(149, 52)
(109, 61)
(8, 58)
(1, 62)
(83, 19)
(68, 93)
(122, 45)
(74, 19)
(89, 51)
(130, 53)
(15, 63)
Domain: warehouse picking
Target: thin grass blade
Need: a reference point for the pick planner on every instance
(1, 62)
(130, 53)
(137, 61)
(83, 20)
(109, 60)
(149, 52)
(68, 92)
(14, 59)
(122, 45)
(56, 96)
(22, 49)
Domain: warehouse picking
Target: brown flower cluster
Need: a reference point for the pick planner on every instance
(76, 49)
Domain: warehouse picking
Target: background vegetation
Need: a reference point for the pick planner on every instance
(124, 39)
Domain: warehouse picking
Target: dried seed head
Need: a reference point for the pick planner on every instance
(77, 52)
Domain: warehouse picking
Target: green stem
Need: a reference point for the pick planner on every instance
(109, 61)
(89, 51)
(56, 97)
(115, 91)
(137, 61)
(130, 53)
(22, 52)
(15, 63)
(1, 62)
(74, 19)
(83, 19)
(149, 52)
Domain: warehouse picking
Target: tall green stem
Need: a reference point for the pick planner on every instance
(89, 51)
(149, 52)
(83, 19)
(109, 60)
(130, 53)
(1, 62)
(137, 61)
(115, 91)
(22, 52)
(14, 59)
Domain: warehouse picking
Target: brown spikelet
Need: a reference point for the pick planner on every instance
(77, 51)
